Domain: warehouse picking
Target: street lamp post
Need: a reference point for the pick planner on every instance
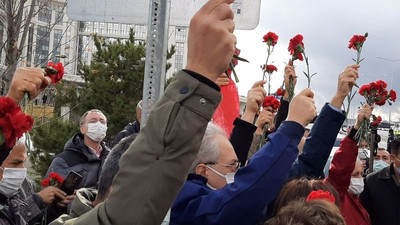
(391, 81)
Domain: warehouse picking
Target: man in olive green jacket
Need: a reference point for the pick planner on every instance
(155, 166)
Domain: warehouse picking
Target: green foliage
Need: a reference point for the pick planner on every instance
(113, 82)
(49, 140)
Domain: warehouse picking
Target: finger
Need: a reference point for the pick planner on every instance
(307, 92)
(60, 195)
(61, 205)
(45, 82)
(60, 191)
(212, 4)
(229, 25)
(259, 84)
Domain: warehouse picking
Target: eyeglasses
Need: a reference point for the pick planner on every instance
(234, 166)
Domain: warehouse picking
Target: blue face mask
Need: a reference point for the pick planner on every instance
(379, 165)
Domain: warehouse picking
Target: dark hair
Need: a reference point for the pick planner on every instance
(301, 212)
(395, 147)
(301, 188)
(111, 166)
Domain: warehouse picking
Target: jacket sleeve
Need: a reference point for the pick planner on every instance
(342, 165)
(255, 185)
(319, 143)
(155, 166)
(282, 113)
(241, 138)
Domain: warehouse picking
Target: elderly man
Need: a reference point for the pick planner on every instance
(85, 152)
(18, 202)
(87, 198)
(215, 194)
(381, 195)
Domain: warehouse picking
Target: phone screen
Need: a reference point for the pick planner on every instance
(71, 182)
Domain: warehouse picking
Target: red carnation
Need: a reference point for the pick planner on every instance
(296, 47)
(54, 180)
(357, 41)
(280, 92)
(270, 38)
(46, 182)
(271, 101)
(320, 194)
(392, 95)
(13, 122)
(376, 120)
(56, 73)
(270, 68)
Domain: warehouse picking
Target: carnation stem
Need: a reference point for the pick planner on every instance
(263, 136)
(291, 89)
(308, 71)
(234, 72)
(269, 83)
(27, 137)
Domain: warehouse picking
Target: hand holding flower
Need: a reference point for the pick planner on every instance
(364, 113)
(346, 80)
(31, 80)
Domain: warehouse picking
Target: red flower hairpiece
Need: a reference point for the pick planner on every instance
(320, 194)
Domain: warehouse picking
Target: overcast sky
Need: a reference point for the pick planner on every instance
(327, 27)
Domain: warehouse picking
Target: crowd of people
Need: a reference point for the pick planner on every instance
(181, 168)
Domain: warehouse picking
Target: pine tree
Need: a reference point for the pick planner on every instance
(113, 82)
(49, 140)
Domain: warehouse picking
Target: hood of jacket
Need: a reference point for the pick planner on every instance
(76, 144)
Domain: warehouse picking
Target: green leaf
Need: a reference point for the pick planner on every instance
(361, 60)
(305, 74)
(240, 59)
(2, 139)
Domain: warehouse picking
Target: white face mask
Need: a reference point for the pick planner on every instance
(96, 131)
(379, 165)
(12, 180)
(356, 186)
(229, 177)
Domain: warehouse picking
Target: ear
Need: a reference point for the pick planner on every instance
(82, 128)
(201, 169)
(392, 157)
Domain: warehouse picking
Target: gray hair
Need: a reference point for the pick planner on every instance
(209, 150)
(83, 117)
(111, 166)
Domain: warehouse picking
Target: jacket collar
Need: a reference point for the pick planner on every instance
(196, 177)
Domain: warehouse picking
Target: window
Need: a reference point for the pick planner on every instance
(140, 30)
(109, 28)
(95, 27)
(180, 33)
(179, 56)
(42, 45)
(124, 29)
(57, 45)
(101, 27)
(116, 28)
(59, 17)
(88, 27)
(44, 14)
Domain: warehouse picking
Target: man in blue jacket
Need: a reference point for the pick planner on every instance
(210, 196)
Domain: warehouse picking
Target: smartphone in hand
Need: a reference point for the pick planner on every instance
(71, 182)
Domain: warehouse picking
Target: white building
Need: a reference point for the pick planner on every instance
(52, 34)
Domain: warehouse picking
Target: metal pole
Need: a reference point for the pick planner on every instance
(156, 55)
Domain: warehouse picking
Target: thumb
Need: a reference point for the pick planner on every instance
(307, 92)
(290, 63)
